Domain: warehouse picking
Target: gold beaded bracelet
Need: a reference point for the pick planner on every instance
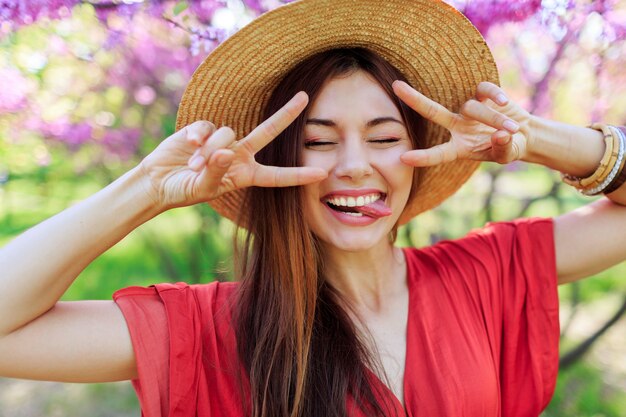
(607, 164)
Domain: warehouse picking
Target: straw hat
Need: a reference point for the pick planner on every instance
(432, 44)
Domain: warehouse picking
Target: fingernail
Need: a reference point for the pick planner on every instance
(502, 99)
(511, 126)
(196, 162)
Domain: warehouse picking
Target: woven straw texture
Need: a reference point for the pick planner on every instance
(437, 49)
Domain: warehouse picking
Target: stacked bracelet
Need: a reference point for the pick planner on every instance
(620, 179)
(610, 174)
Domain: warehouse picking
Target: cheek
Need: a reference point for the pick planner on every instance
(390, 163)
(398, 175)
(310, 199)
(317, 160)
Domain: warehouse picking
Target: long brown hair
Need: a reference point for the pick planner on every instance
(303, 353)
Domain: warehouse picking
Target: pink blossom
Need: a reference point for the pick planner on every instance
(13, 91)
(615, 25)
(145, 95)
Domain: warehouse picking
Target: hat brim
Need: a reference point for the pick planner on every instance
(433, 45)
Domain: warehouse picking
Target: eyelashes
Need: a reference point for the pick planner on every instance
(385, 140)
(317, 143)
(322, 143)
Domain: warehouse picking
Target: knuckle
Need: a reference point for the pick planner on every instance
(441, 156)
(205, 124)
(278, 178)
(292, 112)
(515, 152)
(247, 146)
(202, 125)
(228, 131)
(485, 86)
(270, 127)
(497, 119)
(431, 111)
(469, 107)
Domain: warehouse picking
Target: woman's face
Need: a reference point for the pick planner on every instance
(356, 133)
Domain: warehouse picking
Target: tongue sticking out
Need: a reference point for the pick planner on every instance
(376, 209)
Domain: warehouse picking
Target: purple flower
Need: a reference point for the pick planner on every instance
(122, 10)
(73, 135)
(23, 12)
(203, 9)
(486, 13)
(122, 142)
(261, 6)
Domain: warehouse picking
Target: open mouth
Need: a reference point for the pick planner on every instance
(355, 206)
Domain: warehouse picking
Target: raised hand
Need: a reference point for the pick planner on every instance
(199, 163)
(487, 128)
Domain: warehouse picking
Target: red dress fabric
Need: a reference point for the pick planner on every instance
(482, 333)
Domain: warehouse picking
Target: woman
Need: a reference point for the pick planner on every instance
(329, 318)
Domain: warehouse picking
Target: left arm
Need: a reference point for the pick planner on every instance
(492, 128)
(590, 239)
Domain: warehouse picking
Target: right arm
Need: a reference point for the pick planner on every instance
(88, 341)
(43, 339)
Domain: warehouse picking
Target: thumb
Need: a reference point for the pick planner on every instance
(502, 147)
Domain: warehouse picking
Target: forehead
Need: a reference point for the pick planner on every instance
(357, 95)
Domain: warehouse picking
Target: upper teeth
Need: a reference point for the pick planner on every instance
(346, 201)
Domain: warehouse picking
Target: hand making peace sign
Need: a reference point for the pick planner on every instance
(487, 128)
(189, 168)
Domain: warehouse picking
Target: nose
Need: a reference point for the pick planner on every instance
(353, 160)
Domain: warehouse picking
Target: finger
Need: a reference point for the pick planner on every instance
(198, 132)
(271, 176)
(428, 108)
(270, 128)
(218, 165)
(222, 138)
(478, 111)
(440, 154)
(502, 147)
(490, 91)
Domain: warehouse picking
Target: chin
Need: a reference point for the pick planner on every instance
(356, 241)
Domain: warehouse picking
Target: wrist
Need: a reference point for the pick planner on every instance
(569, 149)
(134, 189)
(534, 147)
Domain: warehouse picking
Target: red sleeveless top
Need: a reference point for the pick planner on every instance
(482, 333)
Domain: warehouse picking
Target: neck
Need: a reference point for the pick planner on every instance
(369, 280)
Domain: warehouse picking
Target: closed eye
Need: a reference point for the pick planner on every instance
(317, 143)
(383, 143)
(385, 140)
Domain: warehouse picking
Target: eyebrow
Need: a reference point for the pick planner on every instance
(374, 122)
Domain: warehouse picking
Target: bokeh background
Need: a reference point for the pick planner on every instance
(89, 87)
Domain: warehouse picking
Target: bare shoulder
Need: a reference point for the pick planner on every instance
(81, 341)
